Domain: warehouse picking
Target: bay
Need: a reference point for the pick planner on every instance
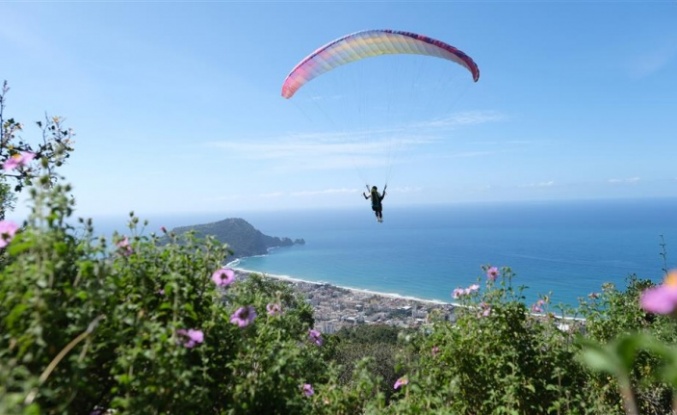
(566, 249)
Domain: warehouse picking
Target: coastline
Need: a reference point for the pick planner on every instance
(336, 307)
(295, 280)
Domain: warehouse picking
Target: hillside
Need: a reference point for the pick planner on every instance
(244, 240)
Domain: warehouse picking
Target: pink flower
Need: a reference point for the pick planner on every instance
(244, 316)
(538, 306)
(435, 350)
(223, 277)
(308, 389)
(163, 229)
(492, 274)
(401, 382)
(191, 337)
(7, 231)
(274, 309)
(125, 247)
(460, 292)
(18, 160)
(663, 298)
(315, 336)
(473, 288)
(486, 309)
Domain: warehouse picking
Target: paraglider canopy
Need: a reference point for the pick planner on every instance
(370, 43)
(380, 108)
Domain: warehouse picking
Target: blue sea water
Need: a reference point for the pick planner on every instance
(566, 249)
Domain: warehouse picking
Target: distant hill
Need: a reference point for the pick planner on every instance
(242, 238)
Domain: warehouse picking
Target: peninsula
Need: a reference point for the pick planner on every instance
(242, 238)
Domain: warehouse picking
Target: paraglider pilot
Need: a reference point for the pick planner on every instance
(376, 199)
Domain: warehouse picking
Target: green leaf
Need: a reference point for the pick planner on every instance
(19, 245)
(600, 358)
(16, 313)
(32, 409)
(626, 349)
(124, 379)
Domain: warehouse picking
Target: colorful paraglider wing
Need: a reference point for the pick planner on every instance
(370, 43)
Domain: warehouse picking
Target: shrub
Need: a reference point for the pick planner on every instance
(496, 359)
(142, 327)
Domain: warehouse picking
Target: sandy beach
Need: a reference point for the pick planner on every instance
(336, 307)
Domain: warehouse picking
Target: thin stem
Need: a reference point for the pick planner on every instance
(52, 365)
(628, 397)
(664, 254)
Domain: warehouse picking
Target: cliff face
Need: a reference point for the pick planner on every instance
(242, 238)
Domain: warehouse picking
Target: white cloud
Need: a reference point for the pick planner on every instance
(271, 195)
(464, 118)
(654, 58)
(319, 98)
(549, 183)
(405, 189)
(226, 198)
(350, 149)
(323, 192)
(307, 193)
(324, 151)
(630, 180)
(468, 154)
(300, 146)
(332, 191)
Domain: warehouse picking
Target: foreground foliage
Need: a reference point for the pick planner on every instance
(143, 327)
(87, 326)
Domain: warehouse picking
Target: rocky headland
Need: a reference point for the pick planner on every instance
(242, 238)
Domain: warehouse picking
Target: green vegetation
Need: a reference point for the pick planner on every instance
(51, 152)
(137, 326)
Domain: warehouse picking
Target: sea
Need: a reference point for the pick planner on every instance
(563, 249)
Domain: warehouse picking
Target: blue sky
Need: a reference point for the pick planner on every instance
(177, 106)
